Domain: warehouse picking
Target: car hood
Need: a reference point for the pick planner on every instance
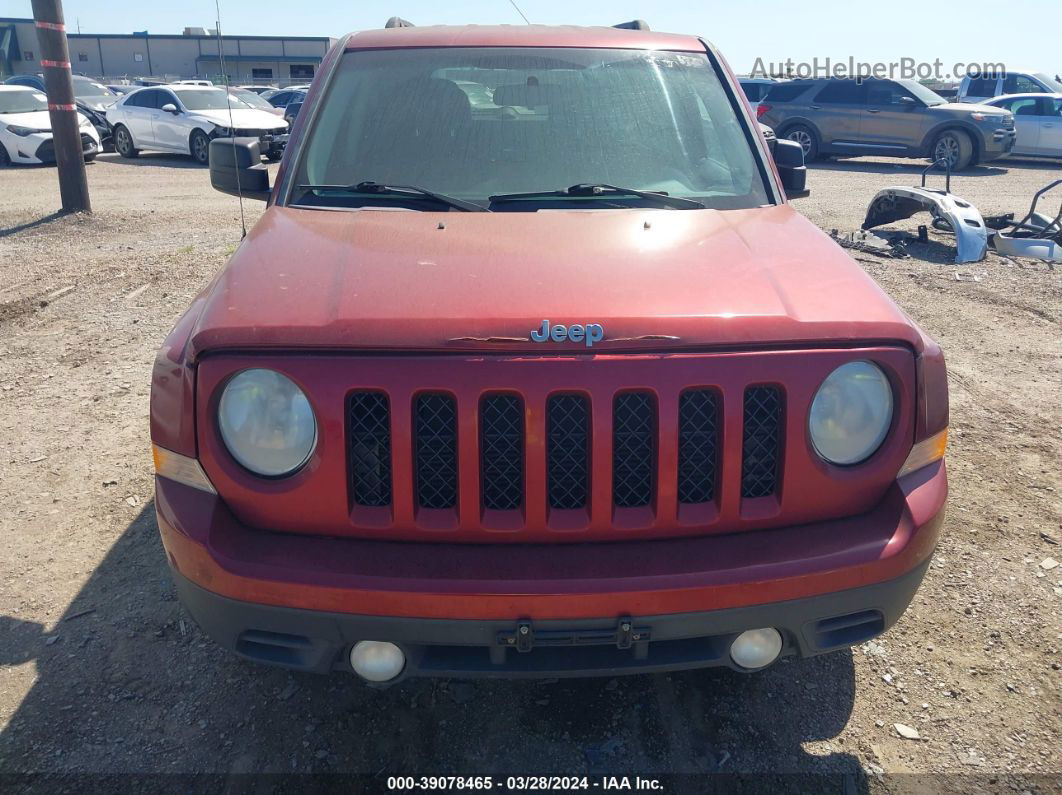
(250, 118)
(654, 279)
(969, 107)
(99, 105)
(37, 119)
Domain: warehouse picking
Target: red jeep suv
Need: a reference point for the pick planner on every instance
(530, 369)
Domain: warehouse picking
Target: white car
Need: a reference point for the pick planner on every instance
(184, 119)
(206, 83)
(26, 128)
(1038, 121)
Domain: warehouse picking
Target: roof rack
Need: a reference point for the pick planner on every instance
(398, 22)
(634, 24)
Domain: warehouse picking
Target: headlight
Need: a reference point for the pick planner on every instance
(851, 413)
(995, 118)
(223, 132)
(24, 131)
(266, 422)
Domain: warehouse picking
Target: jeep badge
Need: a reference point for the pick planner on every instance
(590, 333)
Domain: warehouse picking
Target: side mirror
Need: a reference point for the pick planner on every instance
(789, 158)
(236, 168)
(908, 103)
(169, 107)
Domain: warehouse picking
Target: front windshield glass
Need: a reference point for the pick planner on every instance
(251, 98)
(476, 122)
(205, 99)
(927, 95)
(1052, 84)
(87, 89)
(22, 101)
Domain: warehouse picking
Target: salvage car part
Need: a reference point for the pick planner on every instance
(863, 240)
(1036, 235)
(898, 202)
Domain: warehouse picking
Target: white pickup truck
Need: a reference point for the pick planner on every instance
(978, 89)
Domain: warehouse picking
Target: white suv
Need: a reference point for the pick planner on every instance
(184, 119)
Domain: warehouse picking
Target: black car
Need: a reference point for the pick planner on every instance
(291, 110)
(281, 97)
(92, 99)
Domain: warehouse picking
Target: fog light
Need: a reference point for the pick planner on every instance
(377, 661)
(756, 648)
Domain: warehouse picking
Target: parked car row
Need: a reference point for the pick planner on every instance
(894, 118)
(903, 118)
(181, 117)
(92, 100)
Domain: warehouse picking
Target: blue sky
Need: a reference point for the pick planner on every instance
(1024, 34)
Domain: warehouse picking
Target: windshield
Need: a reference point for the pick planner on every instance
(251, 98)
(22, 101)
(87, 89)
(205, 99)
(919, 91)
(476, 122)
(1051, 83)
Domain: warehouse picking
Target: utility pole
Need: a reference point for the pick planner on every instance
(58, 85)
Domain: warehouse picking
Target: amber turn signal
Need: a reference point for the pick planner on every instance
(180, 468)
(925, 453)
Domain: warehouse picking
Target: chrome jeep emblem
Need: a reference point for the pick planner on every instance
(588, 333)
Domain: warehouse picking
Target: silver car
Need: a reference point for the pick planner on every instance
(1038, 119)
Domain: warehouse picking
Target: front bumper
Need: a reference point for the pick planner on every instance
(38, 148)
(271, 143)
(320, 642)
(45, 151)
(998, 143)
(302, 601)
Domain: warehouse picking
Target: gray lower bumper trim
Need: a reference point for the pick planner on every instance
(317, 641)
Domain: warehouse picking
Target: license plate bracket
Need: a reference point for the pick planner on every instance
(525, 637)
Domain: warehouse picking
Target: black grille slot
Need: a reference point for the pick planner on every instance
(761, 441)
(698, 459)
(633, 448)
(501, 450)
(369, 416)
(848, 630)
(435, 431)
(568, 451)
(46, 152)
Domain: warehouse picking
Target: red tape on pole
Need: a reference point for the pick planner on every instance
(51, 26)
(56, 64)
(57, 106)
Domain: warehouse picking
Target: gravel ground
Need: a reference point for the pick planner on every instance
(101, 670)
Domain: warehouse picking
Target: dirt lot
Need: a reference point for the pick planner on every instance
(101, 671)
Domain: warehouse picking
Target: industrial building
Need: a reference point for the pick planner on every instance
(194, 53)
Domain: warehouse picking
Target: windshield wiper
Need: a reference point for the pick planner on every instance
(410, 191)
(593, 190)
